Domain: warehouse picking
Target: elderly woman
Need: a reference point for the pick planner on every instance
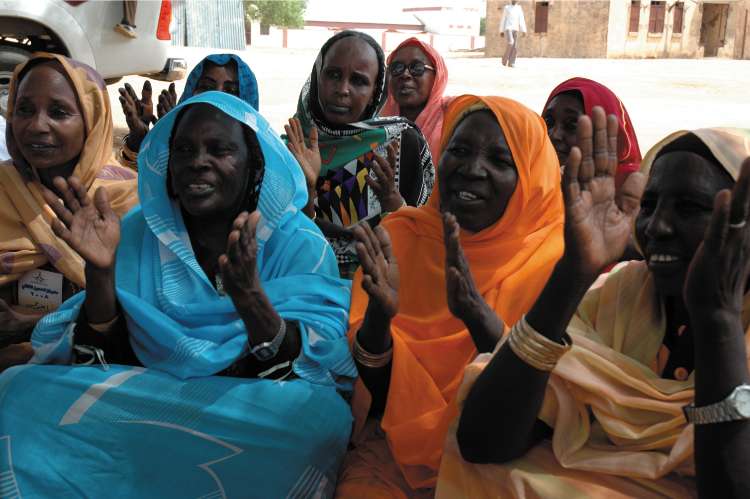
(417, 77)
(652, 398)
(578, 96)
(337, 110)
(485, 244)
(223, 72)
(59, 125)
(211, 292)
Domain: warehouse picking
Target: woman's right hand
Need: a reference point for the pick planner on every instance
(379, 267)
(139, 113)
(598, 220)
(308, 157)
(89, 226)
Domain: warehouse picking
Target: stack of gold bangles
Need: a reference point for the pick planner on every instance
(536, 350)
(371, 360)
(128, 157)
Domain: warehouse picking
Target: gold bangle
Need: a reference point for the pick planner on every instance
(103, 327)
(371, 360)
(534, 349)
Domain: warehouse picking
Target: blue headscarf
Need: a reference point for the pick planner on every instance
(248, 83)
(177, 321)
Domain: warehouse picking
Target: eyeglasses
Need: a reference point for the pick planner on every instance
(416, 68)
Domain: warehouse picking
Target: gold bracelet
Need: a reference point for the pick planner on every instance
(371, 360)
(103, 327)
(534, 349)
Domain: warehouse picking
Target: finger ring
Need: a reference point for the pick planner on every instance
(738, 225)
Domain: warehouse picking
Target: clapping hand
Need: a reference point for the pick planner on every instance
(718, 274)
(308, 156)
(88, 226)
(379, 267)
(598, 220)
(384, 183)
(139, 113)
(167, 101)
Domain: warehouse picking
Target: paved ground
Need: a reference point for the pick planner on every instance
(661, 95)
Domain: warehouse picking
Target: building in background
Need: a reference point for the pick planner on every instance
(445, 24)
(627, 28)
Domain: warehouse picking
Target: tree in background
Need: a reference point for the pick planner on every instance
(282, 13)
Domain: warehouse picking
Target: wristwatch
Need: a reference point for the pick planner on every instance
(268, 349)
(736, 407)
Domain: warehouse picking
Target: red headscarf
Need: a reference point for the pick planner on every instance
(596, 94)
(430, 120)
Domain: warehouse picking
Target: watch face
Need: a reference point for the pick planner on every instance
(265, 353)
(742, 401)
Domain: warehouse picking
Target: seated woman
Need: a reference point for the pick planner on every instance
(59, 124)
(217, 273)
(417, 79)
(648, 339)
(437, 291)
(338, 109)
(223, 72)
(577, 96)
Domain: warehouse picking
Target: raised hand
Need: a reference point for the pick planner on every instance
(384, 183)
(167, 101)
(598, 220)
(139, 113)
(89, 226)
(308, 157)
(379, 267)
(464, 300)
(238, 265)
(718, 274)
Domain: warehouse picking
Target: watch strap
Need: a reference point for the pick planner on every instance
(723, 411)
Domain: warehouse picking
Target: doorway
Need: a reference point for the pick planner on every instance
(713, 27)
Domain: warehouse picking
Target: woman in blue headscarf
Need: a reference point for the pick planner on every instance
(213, 324)
(223, 72)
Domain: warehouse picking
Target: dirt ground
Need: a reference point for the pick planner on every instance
(661, 95)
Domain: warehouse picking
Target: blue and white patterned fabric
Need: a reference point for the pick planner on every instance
(248, 83)
(65, 428)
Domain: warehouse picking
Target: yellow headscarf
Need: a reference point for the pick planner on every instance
(26, 237)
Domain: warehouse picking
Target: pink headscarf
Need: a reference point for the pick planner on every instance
(430, 120)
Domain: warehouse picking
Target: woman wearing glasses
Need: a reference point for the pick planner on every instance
(417, 79)
(358, 167)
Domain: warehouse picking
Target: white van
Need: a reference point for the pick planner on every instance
(84, 30)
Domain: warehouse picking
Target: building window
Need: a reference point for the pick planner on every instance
(679, 12)
(541, 12)
(656, 18)
(635, 16)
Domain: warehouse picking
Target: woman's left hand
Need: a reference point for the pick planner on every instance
(718, 274)
(167, 101)
(384, 186)
(464, 300)
(238, 265)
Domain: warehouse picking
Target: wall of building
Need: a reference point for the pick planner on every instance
(742, 31)
(575, 28)
(622, 43)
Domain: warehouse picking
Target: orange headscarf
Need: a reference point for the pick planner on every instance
(26, 238)
(430, 120)
(510, 262)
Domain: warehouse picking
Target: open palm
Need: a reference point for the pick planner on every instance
(89, 226)
(598, 220)
(308, 157)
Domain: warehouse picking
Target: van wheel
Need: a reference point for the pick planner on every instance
(10, 57)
